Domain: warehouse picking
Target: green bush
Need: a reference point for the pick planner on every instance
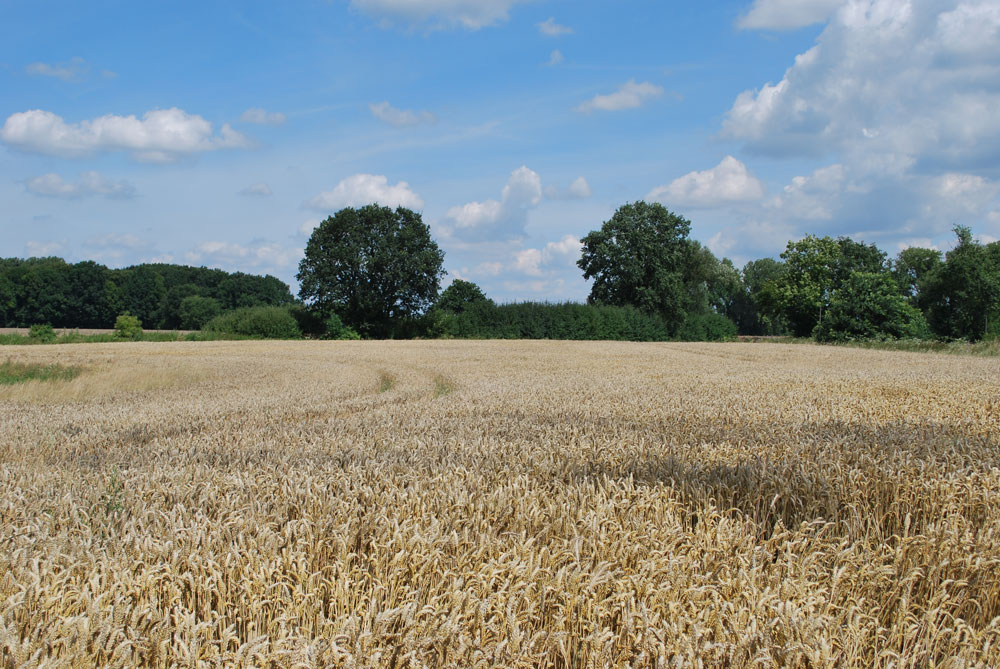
(335, 329)
(257, 323)
(128, 327)
(196, 310)
(42, 333)
(536, 320)
(706, 327)
(869, 306)
(311, 324)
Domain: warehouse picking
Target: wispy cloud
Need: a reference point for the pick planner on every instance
(552, 29)
(629, 96)
(400, 118)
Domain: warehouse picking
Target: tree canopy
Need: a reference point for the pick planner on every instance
(372, 266)
(639, 258)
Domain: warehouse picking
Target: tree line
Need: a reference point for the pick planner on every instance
(376, 272)
(90, 295)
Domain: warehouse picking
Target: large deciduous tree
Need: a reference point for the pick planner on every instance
(372, 266)
(639, 258)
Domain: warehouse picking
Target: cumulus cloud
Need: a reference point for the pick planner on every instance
(578, 190)
(507, 215)
(263, 117)
(895, 99)
(629, 96)
(257, 190)
(362, 189)
(469, 14)
(555, 58)
(728, 182)
(70, 70)
(91, 183)
(787, 14)
(873, 87)
(552, 29)
(161, 135)
(548, 259)
(400, 118)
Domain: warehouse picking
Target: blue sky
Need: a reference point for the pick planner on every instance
(220, 133)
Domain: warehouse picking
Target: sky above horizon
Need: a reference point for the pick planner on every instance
(220, 133)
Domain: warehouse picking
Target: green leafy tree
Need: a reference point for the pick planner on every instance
(911, 269)
(142, 291)
(868, 306)
(194, 311)
(459, 296)
(815, 268)
(639, 258)
(373, 266)
(962, 294)
(758, 310)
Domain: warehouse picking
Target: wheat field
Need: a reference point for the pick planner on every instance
(483, 504)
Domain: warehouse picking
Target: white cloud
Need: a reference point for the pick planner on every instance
(522, 192)
(256, 255)
(726, 183)
(400, 117)
(548, 259)
(90, 183)
(71, 70)
(896, 99)
(555, 58)
(257, 190)
(578, 190)
(813, 197)
(161, 135)
(469, 14)
(629, 96)
(363, 189)
(871, 89)
(552, 29)
(788, 14)
(305, 230)
(263, 117)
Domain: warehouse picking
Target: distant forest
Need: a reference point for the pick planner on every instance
(90, 295)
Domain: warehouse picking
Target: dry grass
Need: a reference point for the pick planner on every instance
(501, 504)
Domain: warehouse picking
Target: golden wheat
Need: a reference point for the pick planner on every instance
(466, 504)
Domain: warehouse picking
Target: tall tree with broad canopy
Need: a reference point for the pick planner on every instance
(638, 258)
(815, 268)
(372, 266)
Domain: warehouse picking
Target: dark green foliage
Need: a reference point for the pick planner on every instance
(707, 327)
(534, 320)
(460, 295)
(42, 333)
(257, 323)
(89, 295)
(912, 268)
(869, 306)
(335, 329)
(195, 311)
(373, 266)
(756, 312)
(815, 268)
(961, 296)
(128, 327)
(639, 258)
(310, 323)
